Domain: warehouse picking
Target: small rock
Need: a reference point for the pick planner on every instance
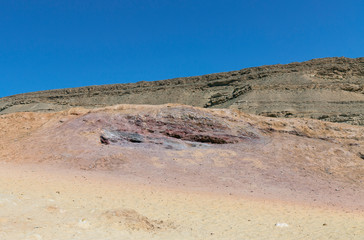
(281, 225)
(104, 140)
(82, 223)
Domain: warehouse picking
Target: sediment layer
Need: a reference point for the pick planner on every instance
(330, 89)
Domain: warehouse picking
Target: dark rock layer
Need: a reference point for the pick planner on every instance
(175, 128)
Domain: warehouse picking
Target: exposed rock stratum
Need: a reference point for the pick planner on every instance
(330, 89)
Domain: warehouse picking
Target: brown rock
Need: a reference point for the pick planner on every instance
(330, 89)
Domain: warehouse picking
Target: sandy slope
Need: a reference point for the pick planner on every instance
(142, 172)
(51, 204)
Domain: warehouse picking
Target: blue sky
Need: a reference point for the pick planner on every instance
(59, 44)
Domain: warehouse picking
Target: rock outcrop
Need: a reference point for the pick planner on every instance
(216, 150)
(330, 89)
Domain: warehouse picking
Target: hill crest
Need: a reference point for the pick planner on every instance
(330, 89)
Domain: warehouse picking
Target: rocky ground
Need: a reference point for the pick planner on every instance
(330, 89)
(75, 165)
(178, 172)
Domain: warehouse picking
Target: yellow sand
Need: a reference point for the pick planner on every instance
(40, 203)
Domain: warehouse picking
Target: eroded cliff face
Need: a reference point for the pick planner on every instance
(330, 89)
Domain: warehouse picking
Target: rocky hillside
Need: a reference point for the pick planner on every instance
(178, 172)
(217, 150)
(330, 89)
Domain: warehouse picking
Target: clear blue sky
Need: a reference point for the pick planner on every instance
(71, 43)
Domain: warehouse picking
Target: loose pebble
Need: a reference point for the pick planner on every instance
(281, 225)
(82, 223)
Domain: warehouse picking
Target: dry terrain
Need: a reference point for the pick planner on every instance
(76, 165)
(330, 89)
(178, 172)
